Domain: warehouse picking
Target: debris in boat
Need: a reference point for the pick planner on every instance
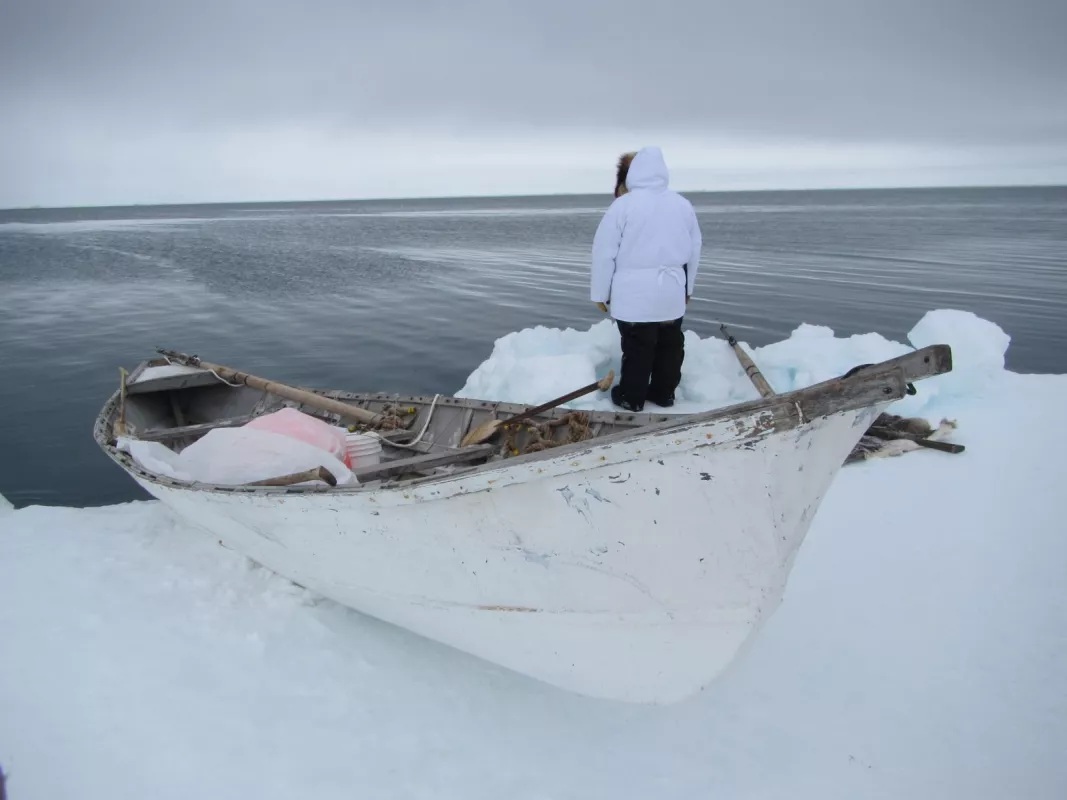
(363, 449)
(392, 418)
(304, 428)
(520, 439)
(486, 430)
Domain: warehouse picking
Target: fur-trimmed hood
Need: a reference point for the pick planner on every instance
(648, 170)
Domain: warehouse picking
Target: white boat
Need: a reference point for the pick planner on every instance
(630, 565)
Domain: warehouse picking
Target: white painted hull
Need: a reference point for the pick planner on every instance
(631, 570)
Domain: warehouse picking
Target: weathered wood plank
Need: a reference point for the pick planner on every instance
(169, 383)
(169, 434)
(464, 427)
(422, 462)
(317, 473)
(787, 410)
(176, 410)
(924, 363)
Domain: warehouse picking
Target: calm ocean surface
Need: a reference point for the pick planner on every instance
(409, 296)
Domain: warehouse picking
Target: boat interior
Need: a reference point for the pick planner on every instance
(426, 438)
(420, 436)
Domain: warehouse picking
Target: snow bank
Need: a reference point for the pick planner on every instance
(920, 652)
(537, 364)
(5, 505)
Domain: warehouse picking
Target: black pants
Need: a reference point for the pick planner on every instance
(652, 355)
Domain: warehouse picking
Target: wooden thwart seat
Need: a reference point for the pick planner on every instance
(400, 466)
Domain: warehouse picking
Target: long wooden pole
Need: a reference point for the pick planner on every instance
(601, 385)
(748, 365)
(345, 410)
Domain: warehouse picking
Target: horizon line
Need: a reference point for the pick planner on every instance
(521, 196)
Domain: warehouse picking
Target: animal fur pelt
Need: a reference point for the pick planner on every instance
(621, 169)
(873, 445)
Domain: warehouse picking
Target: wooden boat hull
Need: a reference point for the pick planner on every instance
(634, 574)
(631, 568)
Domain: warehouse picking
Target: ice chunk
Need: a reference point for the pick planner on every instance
(811, 355)
(533, 380)
(537, 364)
(978, 349)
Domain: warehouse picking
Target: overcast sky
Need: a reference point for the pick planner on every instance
(121, 101)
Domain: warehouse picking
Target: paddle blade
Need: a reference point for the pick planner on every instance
(483, 433)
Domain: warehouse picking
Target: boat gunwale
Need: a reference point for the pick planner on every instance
(786, 411)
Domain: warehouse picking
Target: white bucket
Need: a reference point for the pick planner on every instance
(363, 450)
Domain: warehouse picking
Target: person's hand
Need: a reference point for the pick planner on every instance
(687, 299)
(602, 307)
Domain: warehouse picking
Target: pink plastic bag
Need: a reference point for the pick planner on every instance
(306, 428)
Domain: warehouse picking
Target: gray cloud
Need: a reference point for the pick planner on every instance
(117, 74)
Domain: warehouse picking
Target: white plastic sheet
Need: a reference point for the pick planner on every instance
(235, 456)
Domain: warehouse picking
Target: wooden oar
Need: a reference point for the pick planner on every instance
(485, 431)
(345, 410)
(748, 365)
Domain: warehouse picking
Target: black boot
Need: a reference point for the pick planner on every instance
(618, 399)
(662, 402)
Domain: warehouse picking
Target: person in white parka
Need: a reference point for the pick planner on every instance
(646, 254)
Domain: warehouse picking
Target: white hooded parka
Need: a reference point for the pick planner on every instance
(641, 245)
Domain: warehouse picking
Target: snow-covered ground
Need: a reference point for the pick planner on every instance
(921, 650)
